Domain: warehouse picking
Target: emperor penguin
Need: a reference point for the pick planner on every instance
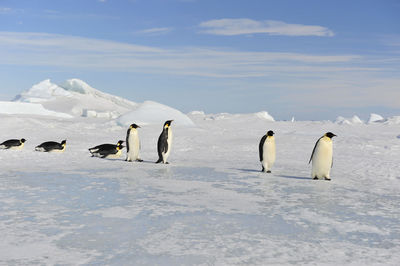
(14, 144)
(266, 150)
(322, 157)
(132, 144)
(109, 151)
(164, 143)
(52, 146)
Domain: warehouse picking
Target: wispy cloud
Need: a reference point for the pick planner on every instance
(345, 80)
(54, 49)
(155, 31)
(5, 10)
(271, 27)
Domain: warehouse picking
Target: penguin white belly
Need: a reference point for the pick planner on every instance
(17, 147)
(57, 151)
(134, 146)
(322, 160)
(268, 154)
(115, 155)
(169, 141)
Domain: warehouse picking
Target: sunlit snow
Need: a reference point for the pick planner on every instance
(211, 205)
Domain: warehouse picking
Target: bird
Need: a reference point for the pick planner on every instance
(110, 151)
(322, 157)
(132, 144)
(52, 146)
(267, 151)
(15, 144)
(164, 143)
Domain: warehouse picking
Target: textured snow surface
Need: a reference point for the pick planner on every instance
(209, 206)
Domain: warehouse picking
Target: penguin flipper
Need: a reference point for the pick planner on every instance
(162, 146)
(312, 154)
(261, 147)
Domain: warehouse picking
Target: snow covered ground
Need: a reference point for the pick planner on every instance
(210, 205)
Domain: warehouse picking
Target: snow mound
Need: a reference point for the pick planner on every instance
(375, 118)
(77, 98)
(197, 113)
(265, 115)
(394, 120)
(13, 108)
(226, 116)
(348, 121)
(151, 112)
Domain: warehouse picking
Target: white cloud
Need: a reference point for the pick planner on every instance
(271, 27)
(155, 31)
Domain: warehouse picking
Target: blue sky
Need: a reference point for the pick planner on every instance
(309, 59)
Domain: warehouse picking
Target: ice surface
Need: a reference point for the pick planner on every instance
(210, 206)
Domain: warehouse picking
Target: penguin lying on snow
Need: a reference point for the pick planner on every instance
(164, 143)
(322, 157)
(52, 146)
(14, 144)
(110, 151)
(267, 151)
(132, 144)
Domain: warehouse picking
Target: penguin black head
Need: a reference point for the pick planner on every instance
(329, 135)
(168, 123)
(270, 133)
(134, 126)
(23, 140)
(64, 142)
(120, 143)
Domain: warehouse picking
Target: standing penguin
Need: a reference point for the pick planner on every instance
(321, 157)
(266, 150)
(164, 143)
(132, 144)
(52, 146)
(15, 144)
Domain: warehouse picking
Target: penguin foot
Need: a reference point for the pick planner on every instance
(269, 171)
(139, 160)
(263, 169)
(327, 179)
(315, 178)
(166, 162)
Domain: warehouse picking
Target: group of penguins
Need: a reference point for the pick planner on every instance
(321, 156)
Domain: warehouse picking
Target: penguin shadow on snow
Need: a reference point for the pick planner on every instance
(271, 174)
(295, 177)
(247, 170)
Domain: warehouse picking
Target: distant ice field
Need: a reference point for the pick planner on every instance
(210, 206)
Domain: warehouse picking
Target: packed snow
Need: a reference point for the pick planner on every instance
(12, 108)
(211, 205)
